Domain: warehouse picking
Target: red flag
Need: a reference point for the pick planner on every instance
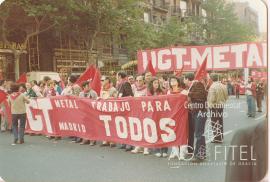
(201, 72)
(179, 72)
(95, 84)
(151, 68)
(87, 75)
(3, 96)
(22, 78)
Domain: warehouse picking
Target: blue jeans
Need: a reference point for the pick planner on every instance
(18, 132)
(251, 105)
(199, 120)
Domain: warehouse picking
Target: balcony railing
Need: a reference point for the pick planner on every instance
(175, 11)
(186, 13)
(161, 5)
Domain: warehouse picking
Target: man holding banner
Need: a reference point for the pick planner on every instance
(124, 90)
(198, 98)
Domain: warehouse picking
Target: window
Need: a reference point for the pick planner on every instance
(146, 17)
(183, 6)
(154, 19)
(123, 39)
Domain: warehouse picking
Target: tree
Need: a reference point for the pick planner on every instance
(4, 14)
(29, 18)
(173, 32)
(221, 25)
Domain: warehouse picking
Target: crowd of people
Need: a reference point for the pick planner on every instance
(208, 90)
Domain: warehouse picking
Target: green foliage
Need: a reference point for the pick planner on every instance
(173, 32)
(88, 18)
(221, 25)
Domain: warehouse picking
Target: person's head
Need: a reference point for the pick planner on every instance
(34, 82)
(160, 78)
(113, 73)
(28, 85)
(72, 79)
(51, 84)
(176, 82)
(41, 85)
(250, 79)
(148, 77)
(105, 80)
(189, 77)
(121, 75)
(214, 77)
(22, 88)
(85, 86)
(14, 87)
(139, 80)
(46, 79)
(154, 86)
(131, 79)
(56, 82)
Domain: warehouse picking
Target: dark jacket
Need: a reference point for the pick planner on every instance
(31, 93)
(197, 95)
(125, 89)
(255, 136)
(259, 89)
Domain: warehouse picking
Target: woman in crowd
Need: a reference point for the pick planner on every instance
(177, 86)
(30, 93)
(51, 89)
(22, 88)
(42, 87)
(72, 88)
(155, 89)
(91, 94)
(58, 88)
(36, 88)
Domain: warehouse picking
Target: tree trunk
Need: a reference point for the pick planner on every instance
(17, 63)
(93, 40)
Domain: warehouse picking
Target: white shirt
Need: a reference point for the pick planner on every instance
(248, 91)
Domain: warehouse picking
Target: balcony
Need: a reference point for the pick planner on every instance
(161, 5)
(186, 13)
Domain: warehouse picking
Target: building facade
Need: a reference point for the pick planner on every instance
(246, 14)
(158, 12)
(58, 51)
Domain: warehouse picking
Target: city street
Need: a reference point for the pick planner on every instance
(43, 160)
(142, 79)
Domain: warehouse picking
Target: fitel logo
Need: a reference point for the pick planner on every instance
(1, 179)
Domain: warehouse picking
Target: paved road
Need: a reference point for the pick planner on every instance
(42, 160)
